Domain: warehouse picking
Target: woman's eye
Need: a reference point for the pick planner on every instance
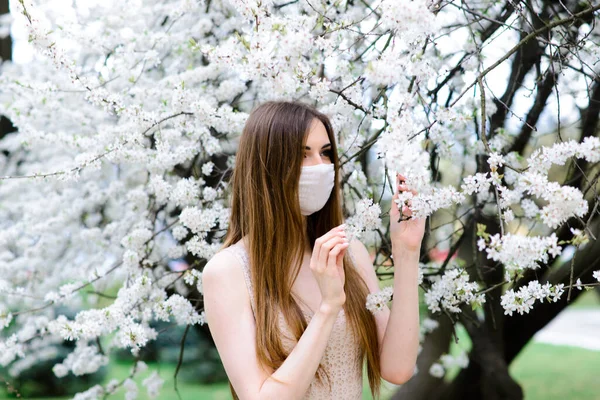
(327, 153)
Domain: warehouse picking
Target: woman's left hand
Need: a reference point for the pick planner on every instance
(407, 234)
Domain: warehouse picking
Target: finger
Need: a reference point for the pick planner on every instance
(337, 231)
(403, 188)
(326, 248)
(334, 231)
(406, 211)
(400, 178)
(394, 211)
(333, 254)
(340, 257)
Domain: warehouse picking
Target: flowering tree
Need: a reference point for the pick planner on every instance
(127, 117)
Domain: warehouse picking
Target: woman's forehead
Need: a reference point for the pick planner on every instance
(317, 134)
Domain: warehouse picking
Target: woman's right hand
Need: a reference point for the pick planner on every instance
(327, 267)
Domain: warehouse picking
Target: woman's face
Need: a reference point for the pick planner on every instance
(318, 147)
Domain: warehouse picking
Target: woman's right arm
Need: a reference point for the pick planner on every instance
(231, 323)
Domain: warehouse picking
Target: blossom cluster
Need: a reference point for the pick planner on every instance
(518, 253)
(446, 361)
(377, 301)
(366, 218)
(522, 300)
(85, 359)
(426, 326)
(563, 202)
(451, 290)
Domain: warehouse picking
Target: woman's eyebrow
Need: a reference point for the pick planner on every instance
(324, 146)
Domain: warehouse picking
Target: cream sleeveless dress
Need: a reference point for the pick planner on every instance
(341, 351)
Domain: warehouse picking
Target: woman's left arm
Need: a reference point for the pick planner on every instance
(398, 328)
(401, 339)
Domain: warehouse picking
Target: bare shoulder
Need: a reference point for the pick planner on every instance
(223, 264)
(223, 283)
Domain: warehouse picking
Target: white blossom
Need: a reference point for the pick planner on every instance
(84, 359)
(207, 168)
(93, 393)
(522, 301)
(131, 389)
(186, 192)
(193, 276)
(377, 301)
(180, 308)
(446, 362)
(451, 290)
(428, 325)
(153, 384)
(5, 319)
(10, 349)
(530, 209)
(366, 218)
(133, 335)
(518, 253)
(475, 183)
(437, 370)
(495, 160)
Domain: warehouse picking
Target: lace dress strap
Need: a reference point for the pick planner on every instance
(242, 256)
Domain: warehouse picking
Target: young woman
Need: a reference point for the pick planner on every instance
(285, 297)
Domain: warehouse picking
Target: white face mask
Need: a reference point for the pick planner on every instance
(316, 183)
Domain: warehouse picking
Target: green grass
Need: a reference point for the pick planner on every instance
(552, 372)
(186, 390)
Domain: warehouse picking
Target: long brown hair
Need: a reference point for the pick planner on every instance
(266, 209)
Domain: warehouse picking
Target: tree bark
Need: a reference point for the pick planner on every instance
(487, 375)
